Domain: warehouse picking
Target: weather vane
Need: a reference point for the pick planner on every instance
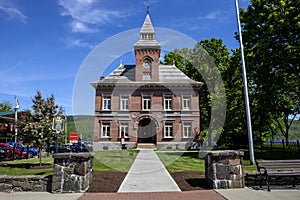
(147, 6)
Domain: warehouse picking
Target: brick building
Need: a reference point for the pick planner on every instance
(147, 102)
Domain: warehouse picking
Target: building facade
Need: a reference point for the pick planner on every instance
(147, 102)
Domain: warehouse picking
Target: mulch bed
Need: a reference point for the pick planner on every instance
(188, 181)
(106, 181)
(111, 181)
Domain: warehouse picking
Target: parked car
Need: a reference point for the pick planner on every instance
(61, 148)
(79, 148)
(65, 148)
(18, 145)
(3, 153)
(12, 154)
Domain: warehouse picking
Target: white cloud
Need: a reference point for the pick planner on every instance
(211, 16)
(217, 16)
(87, 14)
(81, 27)
(11, 13)
(71, 42)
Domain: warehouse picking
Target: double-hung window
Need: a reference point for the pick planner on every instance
(106, 129)
(186, 102)
(168, 130)
(146, 102)
(106, 102)
(124, 103)
(187, 130)
(168, 103)
(124, 129)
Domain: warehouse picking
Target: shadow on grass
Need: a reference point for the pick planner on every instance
(28, 165)
(184, 154)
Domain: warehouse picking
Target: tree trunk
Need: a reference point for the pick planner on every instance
(287, 139)
(40, 156)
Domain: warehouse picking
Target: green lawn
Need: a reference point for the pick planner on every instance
(277, 154)
(177, 161)
(110, 160)
(114, 160)
(27, 167)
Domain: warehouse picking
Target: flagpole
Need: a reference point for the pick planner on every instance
(249, 126)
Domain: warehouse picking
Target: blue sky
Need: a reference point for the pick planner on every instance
(43, 43)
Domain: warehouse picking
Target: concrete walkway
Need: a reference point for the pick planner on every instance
(148, 174)
(39, 196)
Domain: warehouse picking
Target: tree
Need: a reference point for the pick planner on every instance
(205, 62)
(37, 125)
(234, 132)
(6, 107)
(272, 47)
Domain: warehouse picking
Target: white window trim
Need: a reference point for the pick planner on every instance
(143, 102)
(165, 99)
(121, 125)
(190, 102)
(186, 124)
(102, 130)
(104, 100)
(121, 102)
(167, 124)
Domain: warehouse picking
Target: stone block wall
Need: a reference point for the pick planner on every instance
(72, 172)
(224, 169)
(34, 183)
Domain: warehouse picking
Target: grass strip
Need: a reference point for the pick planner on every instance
(27, 167)
(114, 160)
(178, 161)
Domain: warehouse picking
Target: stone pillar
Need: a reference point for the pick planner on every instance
(224, 169)
(72, 172)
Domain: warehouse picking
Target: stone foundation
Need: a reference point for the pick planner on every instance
(173, 145)
(72, 172)
(224, 169)
(99, 146)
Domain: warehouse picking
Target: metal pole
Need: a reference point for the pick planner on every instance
(66, 130)
(249, 127)
(16, 119)
(17, 106)
(56, 143)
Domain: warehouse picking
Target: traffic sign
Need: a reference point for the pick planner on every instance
(73, 137)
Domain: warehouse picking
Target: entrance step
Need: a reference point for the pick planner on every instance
(146, 146)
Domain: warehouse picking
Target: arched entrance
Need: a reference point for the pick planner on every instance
(147, 131)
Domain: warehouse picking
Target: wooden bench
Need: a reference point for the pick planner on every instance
(277, 168)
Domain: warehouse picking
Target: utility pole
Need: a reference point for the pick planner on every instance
(249, 126)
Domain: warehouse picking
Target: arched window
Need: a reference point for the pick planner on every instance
(147, 64)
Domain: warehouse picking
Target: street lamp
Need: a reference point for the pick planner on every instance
(17, 106)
